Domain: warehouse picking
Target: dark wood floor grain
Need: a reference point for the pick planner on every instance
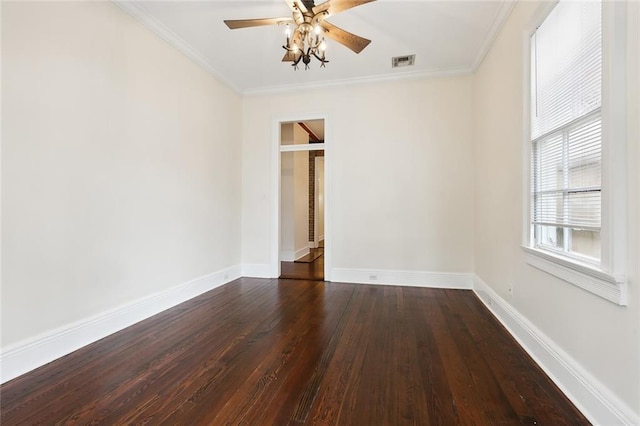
(311, 271)
(287, 352)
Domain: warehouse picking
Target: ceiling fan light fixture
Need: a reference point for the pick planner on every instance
(307, 44)
(306, 39)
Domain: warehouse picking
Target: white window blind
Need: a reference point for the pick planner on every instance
(566, 81)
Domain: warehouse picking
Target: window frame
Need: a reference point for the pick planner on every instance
(608, 278)
(564, 131)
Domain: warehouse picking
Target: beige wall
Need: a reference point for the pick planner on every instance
(120, 166)
(294, 194)
(401, 173)
(600, 336)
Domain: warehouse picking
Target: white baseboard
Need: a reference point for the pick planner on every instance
(403, 278)
(590, 396)
(302, 252)
(27, 355)
(257, 270)
(287, 256)
(292, 256)
(316, 244)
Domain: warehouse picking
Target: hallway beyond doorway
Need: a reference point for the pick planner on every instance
(309, 267)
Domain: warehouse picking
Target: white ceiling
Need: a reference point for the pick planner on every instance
(447, 37)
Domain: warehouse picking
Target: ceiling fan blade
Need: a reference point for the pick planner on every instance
(336, 6)
(298, 9)
(297, 5)
(352, 41)
(246, 23)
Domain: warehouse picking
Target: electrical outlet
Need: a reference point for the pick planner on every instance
(490, 301)
(226, 276)
(373, 277)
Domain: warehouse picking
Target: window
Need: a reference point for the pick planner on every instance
(566, 131)
(567, 189)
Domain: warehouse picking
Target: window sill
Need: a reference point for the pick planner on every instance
(594, 280)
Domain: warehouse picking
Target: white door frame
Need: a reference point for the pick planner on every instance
(275, 185)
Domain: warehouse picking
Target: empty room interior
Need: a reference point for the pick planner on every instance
(343, 212)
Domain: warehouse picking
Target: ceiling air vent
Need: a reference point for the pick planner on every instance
(403, 61)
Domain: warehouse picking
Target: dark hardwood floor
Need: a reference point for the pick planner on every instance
(287, 352)
(307, 270)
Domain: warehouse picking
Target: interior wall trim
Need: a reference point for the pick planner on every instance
(403, 278)
(592, 398)
(292, 256)
(30, 354)
(138, 12)
(287, 256)
(301, 253)
(499, 20)
(257, 270)
(141, 15)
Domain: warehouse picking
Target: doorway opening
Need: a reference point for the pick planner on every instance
(302, 200)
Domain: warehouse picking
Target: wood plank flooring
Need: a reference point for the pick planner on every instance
(287, 352)
(314, 253)
(312, 271)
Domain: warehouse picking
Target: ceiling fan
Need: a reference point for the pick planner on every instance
(309, 27)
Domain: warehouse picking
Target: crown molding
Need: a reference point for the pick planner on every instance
(158, 28)
(498, 22)
(435, 73)
(141, 15)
